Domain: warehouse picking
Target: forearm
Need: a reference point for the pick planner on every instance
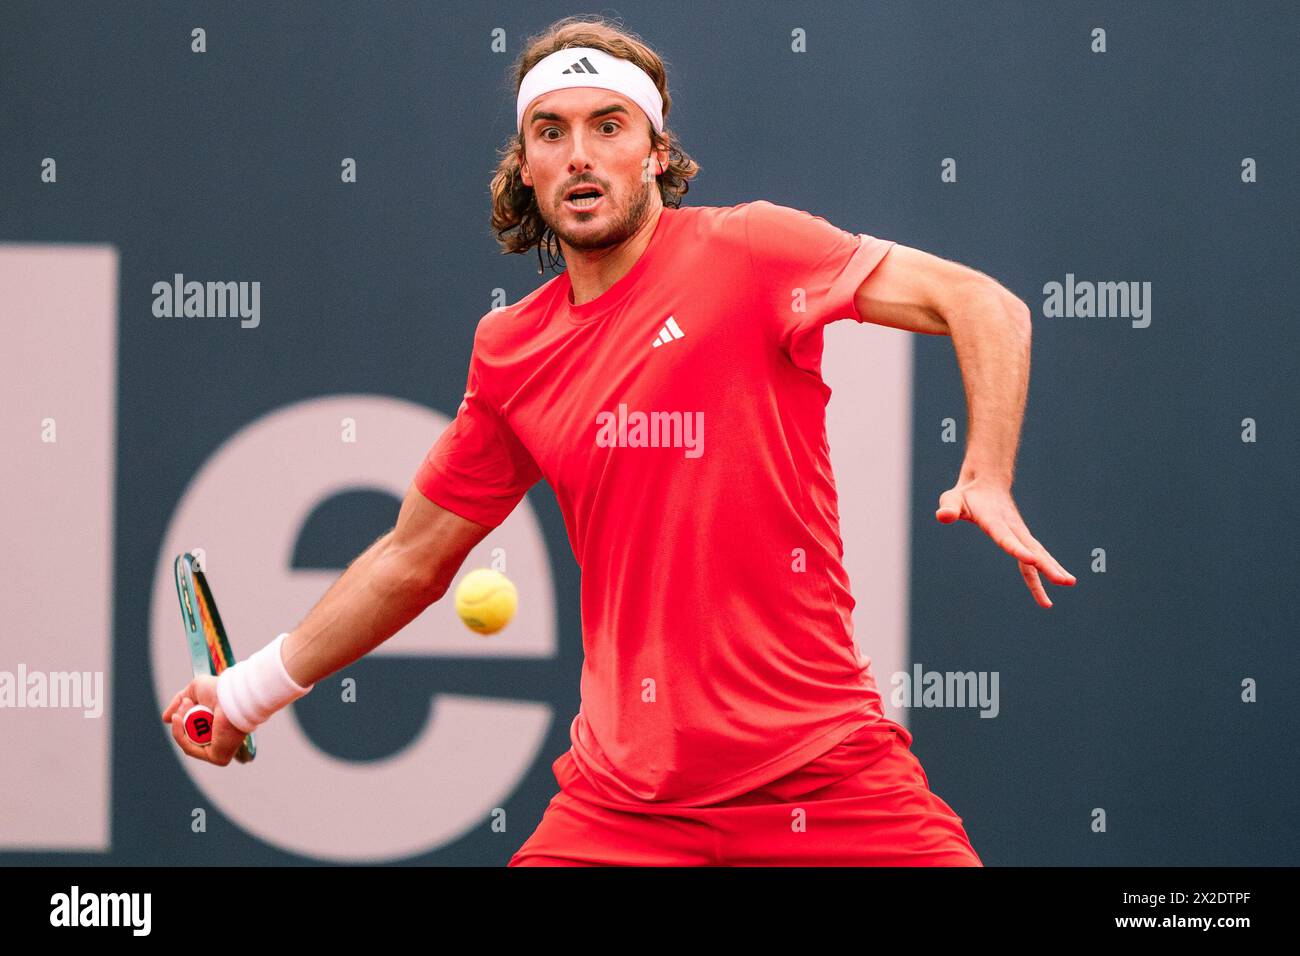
(379, 594)
(991, 332)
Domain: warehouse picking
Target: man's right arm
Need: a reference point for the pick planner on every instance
(383, 590)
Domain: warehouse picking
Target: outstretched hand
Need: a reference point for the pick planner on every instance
(990, 506)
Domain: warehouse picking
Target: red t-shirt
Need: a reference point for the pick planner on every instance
(716, 611)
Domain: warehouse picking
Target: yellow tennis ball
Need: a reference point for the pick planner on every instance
(486, 600)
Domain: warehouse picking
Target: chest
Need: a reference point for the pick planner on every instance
(639, 387)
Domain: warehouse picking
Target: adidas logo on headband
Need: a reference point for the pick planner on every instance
(582, 66)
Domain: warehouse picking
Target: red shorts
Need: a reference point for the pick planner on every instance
(866, 802)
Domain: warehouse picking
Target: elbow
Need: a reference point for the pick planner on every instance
(983, 298)
(435, 584)
(1008, 304)
(436, 589)
(1006, 301)
(404, 574)
(1020, 319)
(1020, 313)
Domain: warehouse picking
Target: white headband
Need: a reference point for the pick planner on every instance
(584, 66)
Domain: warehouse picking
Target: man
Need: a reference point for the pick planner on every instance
(667, 386)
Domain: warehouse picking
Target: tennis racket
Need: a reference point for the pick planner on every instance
(210, 652)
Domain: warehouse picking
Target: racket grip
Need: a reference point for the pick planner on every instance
(199, 721)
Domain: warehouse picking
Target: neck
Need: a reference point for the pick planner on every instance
(593, 271)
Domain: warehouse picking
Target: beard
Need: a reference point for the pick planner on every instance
(620, 226)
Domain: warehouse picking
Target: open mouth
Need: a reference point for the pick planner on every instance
(584, 199)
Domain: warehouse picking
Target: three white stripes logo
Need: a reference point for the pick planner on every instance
(669, 332)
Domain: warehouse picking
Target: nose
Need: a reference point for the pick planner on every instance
(579, 160)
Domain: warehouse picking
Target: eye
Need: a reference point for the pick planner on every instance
(610, 123)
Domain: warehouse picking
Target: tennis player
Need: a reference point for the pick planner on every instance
(667, 385)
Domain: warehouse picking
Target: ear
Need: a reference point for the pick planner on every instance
(663, 159)
(524, 174)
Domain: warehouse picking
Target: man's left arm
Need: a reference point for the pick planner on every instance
(990, 328)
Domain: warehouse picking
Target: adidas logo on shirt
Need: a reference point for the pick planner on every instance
(670, 331)
(582, 66)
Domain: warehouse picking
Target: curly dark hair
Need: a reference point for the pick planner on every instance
(516, 219)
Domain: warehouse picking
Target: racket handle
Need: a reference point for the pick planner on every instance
(198, 724)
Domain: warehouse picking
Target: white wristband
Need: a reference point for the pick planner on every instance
(252, 690)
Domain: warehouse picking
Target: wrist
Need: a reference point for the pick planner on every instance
(985, 474)
(250, 691)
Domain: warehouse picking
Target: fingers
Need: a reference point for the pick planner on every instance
(188, 691)
(226, 740)
(1031, 556)
(1043, 560)
(178, 731)
(1006, 538)
(1038, 559)
(1029, 559)
(1001, 521)
(1030, 574)
(951, 507)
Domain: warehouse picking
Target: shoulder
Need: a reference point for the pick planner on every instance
(711, 222)
(501, 329)
(713, 232)
(742, 213)
(753, 225)
(767, 220)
